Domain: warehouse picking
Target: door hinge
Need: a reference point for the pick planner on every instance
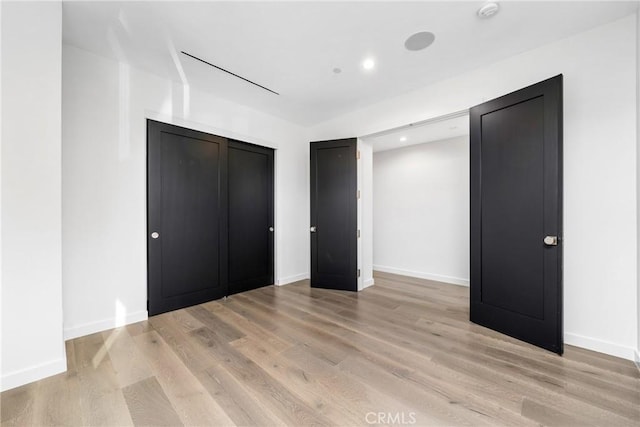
(358, 194)
(357, 154)
(358, 234)
(358, 273)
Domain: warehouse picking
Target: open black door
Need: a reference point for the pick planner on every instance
(516, 214)
(187, 217)
(250, 216)
(334, 244)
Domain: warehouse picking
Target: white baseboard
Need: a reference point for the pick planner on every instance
(34, 373)
(368, 282)
(292, 279)
(637, 358)
(103, 325)
(423, 275)
(600, 346)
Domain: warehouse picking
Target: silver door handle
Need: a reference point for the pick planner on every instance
(155, 235)
(551, 240)
(271, 229)
(312, 229)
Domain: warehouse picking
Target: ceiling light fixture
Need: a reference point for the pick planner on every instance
(488, 10)
(368, 64)
(403, 138)
(419, 41)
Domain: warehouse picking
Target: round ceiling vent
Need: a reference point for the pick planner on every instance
(419, 41)
(488, 10)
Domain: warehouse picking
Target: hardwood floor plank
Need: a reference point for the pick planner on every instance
(403, 349)
(131, 367)
(528, 384)
(362, 399)
(282, 325)
(242, 406)
(101, 400)
(16, 405)
(252, 329)
(149, 405)
(190, 399)
(444, 407)
(213, 322)
(552, 416)
(193, 356)
(303, 383)
(55, 404)
(279, 400)
(139, 328)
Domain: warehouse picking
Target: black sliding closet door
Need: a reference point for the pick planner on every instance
(251, 227)
(187, 217)
(210, 205)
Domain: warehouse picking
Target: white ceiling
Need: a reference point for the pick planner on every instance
(433, 130)
(293, 47)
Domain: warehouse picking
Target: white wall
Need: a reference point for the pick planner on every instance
(32, 344)
(600, 275)
(421, 211)
(105, 106)
(1, 102)
(637, 353)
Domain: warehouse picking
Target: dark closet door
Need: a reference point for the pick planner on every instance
(334, 251)
(516, 214)
(187, 217)
(251, 228)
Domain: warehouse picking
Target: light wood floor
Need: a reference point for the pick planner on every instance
(401, 352)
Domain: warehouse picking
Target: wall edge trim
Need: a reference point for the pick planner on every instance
(423, 275)
(33, 373)
(601, 346)
(292, 279)
(103, 325)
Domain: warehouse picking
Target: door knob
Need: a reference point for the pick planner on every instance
(551, 240)
(312, 229)
(271, 229)
(155, 235)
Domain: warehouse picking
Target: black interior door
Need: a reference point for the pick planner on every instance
(187, 217)
(251, 232)
(516, 214)
(334, 251)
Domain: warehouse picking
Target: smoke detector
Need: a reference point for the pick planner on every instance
(488, 10)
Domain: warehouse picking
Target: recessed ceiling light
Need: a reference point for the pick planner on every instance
(368, 64)
(419, 41)
(488, 10)
(403, 138)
